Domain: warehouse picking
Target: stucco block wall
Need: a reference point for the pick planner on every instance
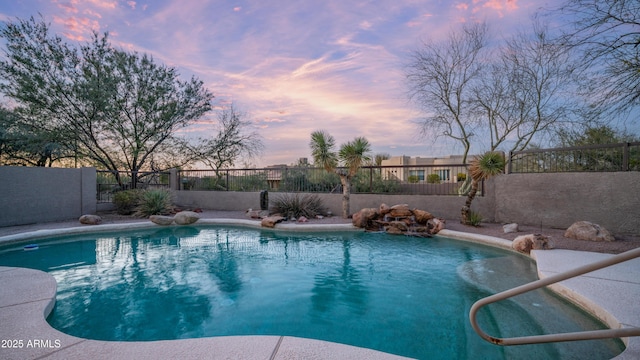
(441, 206)
(558, 200)
(30, 194)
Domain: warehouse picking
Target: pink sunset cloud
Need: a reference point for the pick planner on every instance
(293, 68)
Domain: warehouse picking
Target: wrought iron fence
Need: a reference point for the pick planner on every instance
(609, 157)
(109, 182)
(409, 179)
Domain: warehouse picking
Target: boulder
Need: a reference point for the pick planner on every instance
(161, 219)
(90, 219)
(422, 216)
(400, 225)
(186, 217)
(256, 214)
(526, 243)
(510, 228)
(436, 225)
(363, 218)
(392, 230)
(585, 230)
(271, 221)
(400, 211)
(384, 209)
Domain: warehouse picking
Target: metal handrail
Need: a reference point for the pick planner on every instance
(572, 336)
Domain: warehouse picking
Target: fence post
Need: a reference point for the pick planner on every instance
(509, 162)
(625, 156)
(371, 179)
(174, 179)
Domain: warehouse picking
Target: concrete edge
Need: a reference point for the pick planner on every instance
(144, 224)
(479, 239)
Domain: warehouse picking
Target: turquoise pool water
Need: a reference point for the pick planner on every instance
(402, 295)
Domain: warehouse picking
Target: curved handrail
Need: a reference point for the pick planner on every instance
(572, 336)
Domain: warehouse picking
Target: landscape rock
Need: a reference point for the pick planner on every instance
(526, 243)
(363, 218)
(510, 228)
(161, 219)
(422, 216)
(257, 214)
(398, 219)
(400, 210)
(271, 221)
(90, 219)
(384, 209)
(186, 217)
(585, 230)
(436, 225)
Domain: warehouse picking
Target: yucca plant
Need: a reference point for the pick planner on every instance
(481, 168)
(296, 205)
(154, 202)
(351, 155)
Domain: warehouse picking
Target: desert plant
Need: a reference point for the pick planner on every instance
(296, 205)
(154, 202)
(474, 218)
(481, 168)
(351, 154)
(126, 201)
(414, 179)
(433, 179)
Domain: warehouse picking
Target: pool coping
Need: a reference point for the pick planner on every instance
(28, 297)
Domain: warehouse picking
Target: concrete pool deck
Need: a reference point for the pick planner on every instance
(28, 296)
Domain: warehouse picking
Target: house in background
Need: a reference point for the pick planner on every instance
(419, 169)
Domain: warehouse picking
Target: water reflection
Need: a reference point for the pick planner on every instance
(344, 282)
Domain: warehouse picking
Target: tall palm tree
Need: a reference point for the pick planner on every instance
(352, 156)
(481, 168)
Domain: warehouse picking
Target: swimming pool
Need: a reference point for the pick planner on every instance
(402, 295)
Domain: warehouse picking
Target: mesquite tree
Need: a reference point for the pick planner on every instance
(115, 109)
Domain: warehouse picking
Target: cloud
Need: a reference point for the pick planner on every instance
(296, 67)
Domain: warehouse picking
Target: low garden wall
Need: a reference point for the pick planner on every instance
(557, 200)
(611, 199)
(35, 194)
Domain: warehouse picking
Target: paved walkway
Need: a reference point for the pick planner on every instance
(28, 296)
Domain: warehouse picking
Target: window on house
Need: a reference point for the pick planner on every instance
(419, 174)
(444, 174)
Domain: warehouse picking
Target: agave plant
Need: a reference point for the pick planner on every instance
(481, 168)
(154, 202)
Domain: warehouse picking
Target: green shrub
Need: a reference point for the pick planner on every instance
(296, 205)
(433, 179)
(126, 201)
(154, 202)
(474, 218)
(462, 176)
(414, 179)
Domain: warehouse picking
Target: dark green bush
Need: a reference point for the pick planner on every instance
(296, 205)
(433, 179)
(126, 201)
(462, 176)
(414, 179)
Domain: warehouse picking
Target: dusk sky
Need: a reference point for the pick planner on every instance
(292, 66)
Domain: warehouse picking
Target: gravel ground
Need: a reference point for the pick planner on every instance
(556, 236)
